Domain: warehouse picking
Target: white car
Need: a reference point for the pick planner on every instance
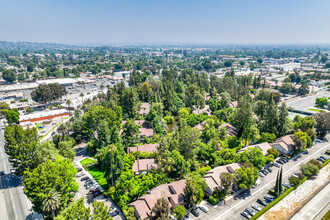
(80, 174)
(204, 208)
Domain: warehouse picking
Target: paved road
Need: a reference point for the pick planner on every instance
(233, 208)
(14, 205)
(314, 206)
(309, 101)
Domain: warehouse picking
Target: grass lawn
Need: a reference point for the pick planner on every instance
(96, 173)
(314, 109)
(326, 216)
(86, 161)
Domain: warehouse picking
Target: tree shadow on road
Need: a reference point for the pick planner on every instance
(243, 195)
(10, 181)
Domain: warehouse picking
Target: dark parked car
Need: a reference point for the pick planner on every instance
(250, 211)
(324, 158)
(269, 198)
(84, 178)
(79, 169)
(269, 169)
(195, 212)
(113, 213)
(277, 165)
(280, 161)
(2, 172)
(319, 159)
(261, 202)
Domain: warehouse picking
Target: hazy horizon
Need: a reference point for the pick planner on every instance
(171, 22)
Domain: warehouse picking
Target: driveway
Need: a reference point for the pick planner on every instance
(83, 192)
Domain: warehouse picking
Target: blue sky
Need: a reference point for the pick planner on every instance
(167, 21)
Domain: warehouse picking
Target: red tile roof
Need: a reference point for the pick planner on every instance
(172, 191)
(232, 131)
(144, 165)
(144, 148)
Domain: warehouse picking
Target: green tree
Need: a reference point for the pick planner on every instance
(309, 169)
(51, 203)
(302, 140)
(303, 124)
(228, 63)
(246, 177)
(12, 116)
(4, 105)
(130, 133)
(66, 149)
(192, 192)
(46, 151)
(187, 141)
(322, 125)
(111, 161)
(9, 75)
(253, 155)
(46, 93)
(226, 180)
(161, 209)
(225, 99)
(294, 181)
(321, 102)
(179, 212)
(101, 212)
(21, 146)
(29, 110)
(129, 102)
(76, 210)
(242, 119)
(56, 175)
(273, 152)
(267, 137)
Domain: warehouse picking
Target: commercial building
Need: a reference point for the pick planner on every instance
(44, 115)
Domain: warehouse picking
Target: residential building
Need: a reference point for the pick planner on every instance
(284, 145)
(232, 131)
(263, 147)
(173, 192)
(212, 177)
(143, 165)
(144, 109)
(149, 148)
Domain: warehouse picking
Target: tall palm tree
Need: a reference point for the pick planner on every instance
(68, 102)
(51, 203)
(62, 128)
(82, 98)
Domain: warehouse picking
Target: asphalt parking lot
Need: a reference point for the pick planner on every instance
(88, 197)
(233, 208)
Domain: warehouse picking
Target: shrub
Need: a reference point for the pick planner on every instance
(309, 169)
(29, 110)
(315, 162)
(301, 176)
(271, 192)
(214, 200)
(169, 119)
(294, 181)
